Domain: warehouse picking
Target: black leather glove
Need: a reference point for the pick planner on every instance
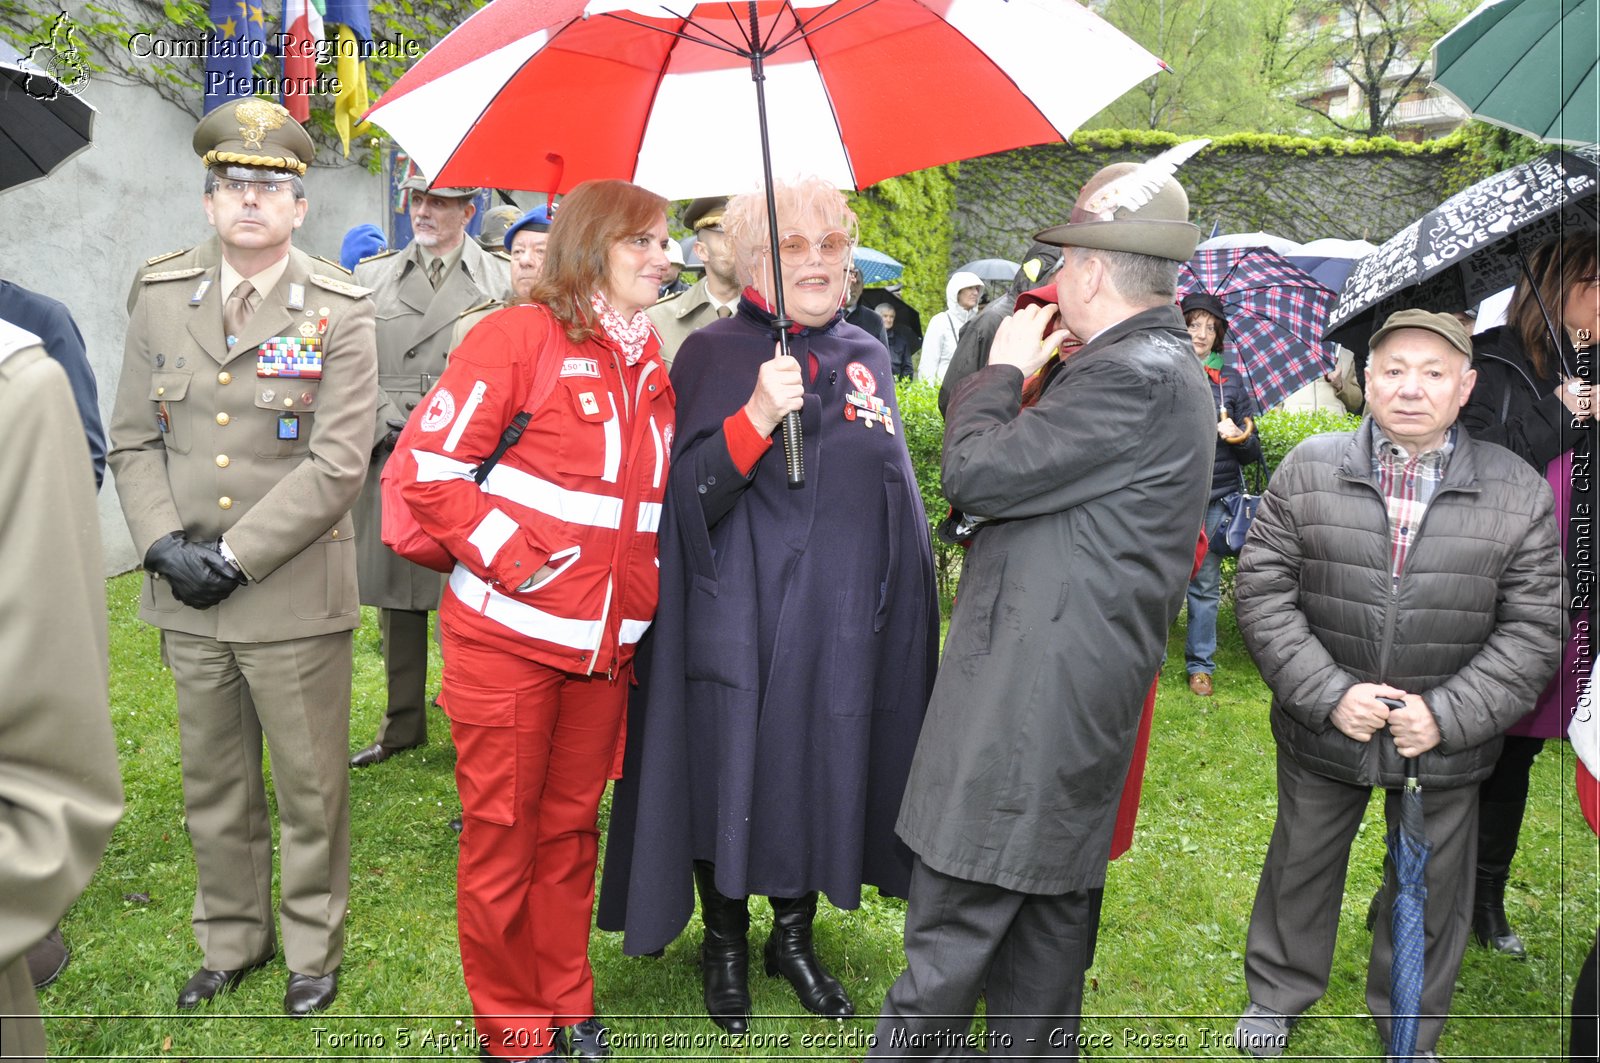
(386, 444)
(198, 574)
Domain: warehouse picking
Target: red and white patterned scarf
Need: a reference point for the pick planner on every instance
(629, 336)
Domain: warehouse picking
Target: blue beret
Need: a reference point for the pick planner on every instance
(536, 220)
(359, 243)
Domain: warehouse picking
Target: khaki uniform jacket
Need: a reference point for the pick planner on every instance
(60, 793)
(679, 315)
(415, 325)
(198, 443)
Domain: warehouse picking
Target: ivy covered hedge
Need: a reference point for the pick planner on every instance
(1301, 188)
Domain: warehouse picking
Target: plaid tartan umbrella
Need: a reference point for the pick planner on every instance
(1276, 314)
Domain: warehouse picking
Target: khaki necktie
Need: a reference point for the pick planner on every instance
(436, 272)
(723, 311)
(237, 310)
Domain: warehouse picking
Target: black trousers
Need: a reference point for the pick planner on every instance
(1025, 952)
(1585, 1005)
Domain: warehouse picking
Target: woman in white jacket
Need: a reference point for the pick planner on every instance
(961, 294)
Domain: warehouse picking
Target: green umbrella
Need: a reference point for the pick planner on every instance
(1527, 65)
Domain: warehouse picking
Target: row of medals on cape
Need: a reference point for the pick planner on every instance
(861, 403)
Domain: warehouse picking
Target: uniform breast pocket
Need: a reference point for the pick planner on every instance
(285, 407)
(169, 396)
(591, 438)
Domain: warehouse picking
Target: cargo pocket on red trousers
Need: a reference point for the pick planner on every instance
(482, 725)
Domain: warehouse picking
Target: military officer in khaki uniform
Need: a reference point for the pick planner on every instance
(714, 295)
(419, 293)
(60, 793)
(239, 441)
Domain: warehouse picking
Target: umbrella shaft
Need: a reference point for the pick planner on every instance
(793, 448)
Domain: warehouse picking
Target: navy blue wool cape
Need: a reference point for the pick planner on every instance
(784, 682)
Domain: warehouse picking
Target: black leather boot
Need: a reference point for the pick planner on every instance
(789, 953)
(724, 953)
(1489, 924)
(1499, 823)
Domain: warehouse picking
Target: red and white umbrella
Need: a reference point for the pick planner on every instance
(540, 95)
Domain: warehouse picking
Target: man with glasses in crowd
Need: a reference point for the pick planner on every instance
(862, 317)
(239, 441)
(419, 293)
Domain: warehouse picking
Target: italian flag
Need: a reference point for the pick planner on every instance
(304, 21)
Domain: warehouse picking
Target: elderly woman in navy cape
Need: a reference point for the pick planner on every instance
(788, 671)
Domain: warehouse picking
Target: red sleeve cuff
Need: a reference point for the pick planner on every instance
(745, 444)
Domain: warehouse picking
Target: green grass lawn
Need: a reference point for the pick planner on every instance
(1167, 983)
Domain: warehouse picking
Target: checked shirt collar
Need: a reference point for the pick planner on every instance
(1408, 485)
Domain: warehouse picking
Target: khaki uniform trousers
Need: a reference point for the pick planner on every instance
(297, 694)
(21, 1028)
(405, 660)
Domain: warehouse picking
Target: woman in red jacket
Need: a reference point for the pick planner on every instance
(555, 581)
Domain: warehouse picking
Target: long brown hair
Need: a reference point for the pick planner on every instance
(588, 221)
(1558, 264)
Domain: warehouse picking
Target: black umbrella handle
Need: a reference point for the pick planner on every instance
(794, 455)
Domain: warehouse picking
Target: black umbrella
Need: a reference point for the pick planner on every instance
(904, 313)
(42, 124)
(1470, 246)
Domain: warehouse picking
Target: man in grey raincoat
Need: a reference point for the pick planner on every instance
(1088, 486)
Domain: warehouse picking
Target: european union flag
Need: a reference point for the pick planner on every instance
(353, 13)
(238, 40)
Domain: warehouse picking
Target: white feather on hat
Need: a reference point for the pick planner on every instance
(1133, 190)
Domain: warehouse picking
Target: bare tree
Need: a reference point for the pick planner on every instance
(1381, 46)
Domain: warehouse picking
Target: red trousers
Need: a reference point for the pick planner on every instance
(533, 749)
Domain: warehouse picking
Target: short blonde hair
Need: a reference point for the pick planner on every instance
(809, 198)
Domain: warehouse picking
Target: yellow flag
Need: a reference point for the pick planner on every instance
(352, 102)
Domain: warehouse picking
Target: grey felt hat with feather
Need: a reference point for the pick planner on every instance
(1135, 207)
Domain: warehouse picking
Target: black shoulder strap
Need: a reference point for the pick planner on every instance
(508, 439)
(543, 383)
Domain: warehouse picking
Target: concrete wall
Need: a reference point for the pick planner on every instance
(79, 235)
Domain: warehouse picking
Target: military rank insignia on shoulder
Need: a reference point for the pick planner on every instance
(339, 267)
(333, 284)
(158, 259)
(489, 304)
(172, 274)
(380, 254)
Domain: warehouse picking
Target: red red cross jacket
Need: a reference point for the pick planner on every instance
(580, 491)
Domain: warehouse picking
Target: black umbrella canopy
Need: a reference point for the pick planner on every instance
(41, 124)
(1470, 246)
(904, 313)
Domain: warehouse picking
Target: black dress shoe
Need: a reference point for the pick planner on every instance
(206, 983)
(309, 993)
(377, 753)
(587, 1040)
(456, 825)
(48, 959)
